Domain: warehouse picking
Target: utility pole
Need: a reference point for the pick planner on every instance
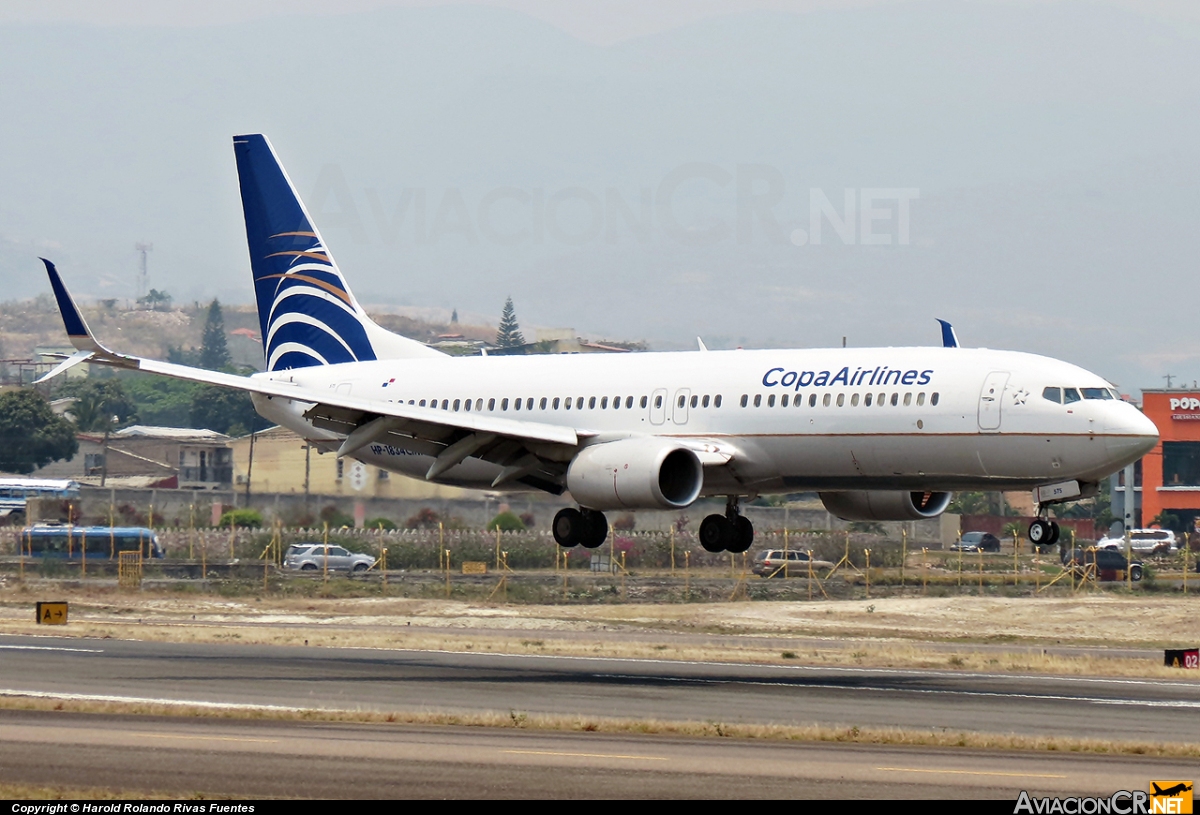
(1169, 377)
(144, 274)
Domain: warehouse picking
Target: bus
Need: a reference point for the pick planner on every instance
(15, 491)
(64, 541)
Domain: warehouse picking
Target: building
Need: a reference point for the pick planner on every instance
(1169, 475)
(283, 463)
(144, 456)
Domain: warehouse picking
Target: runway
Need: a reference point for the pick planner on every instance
(432, 681)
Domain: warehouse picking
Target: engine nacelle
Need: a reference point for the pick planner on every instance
(637, 473)
(886, 505)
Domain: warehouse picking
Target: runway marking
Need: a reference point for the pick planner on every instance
(1095, 700)
(967, 772)
(584, 755)
(96, 697)
(51, 648)
(199, 738)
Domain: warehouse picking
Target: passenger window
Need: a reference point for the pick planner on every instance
(704, 403)
(881, 400)
(826, 400)
(457, 402)
(567, 403)
(771, 400)
(479, 404)
(812, 400)
(933, 400)
(758, 400)
(542, 404)
(841, 400)
(895, 399)
(504, 404)
(517, 404)
(629, 401)
(604, 403)
(617, 402)
(592, 403)
(466, 406)
(745, 399)
(579, 403)
(854, 400)
(1070, 395)
(555, 403)
(920, 398)
(783, 400)
(694, 400)
(644, 401)
(717, 401)
(1053, 394)
(422, 404)
(907, 399)
(682, 400)
(867, 400)
(658, 401)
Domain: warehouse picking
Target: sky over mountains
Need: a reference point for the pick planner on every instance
(762, 178)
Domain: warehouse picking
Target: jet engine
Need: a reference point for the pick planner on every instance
(886, 505)
(636, 473)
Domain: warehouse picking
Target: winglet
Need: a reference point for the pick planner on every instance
(701, 345)
(949, 338)
(77, 330)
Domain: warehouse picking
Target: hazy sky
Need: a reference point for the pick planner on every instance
(759, 173)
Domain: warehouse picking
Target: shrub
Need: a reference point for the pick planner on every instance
(425, 518)
(336, 518)
(245, 518)
(506, 521)
(379, 523)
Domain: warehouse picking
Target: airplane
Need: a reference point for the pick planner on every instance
(878, 433)
(1170, 792)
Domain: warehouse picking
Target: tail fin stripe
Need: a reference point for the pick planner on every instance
(315, 334)
(329, 287)
(287, 358)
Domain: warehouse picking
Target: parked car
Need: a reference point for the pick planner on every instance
(1110, 564)
(769, 562)
(312, 557)
(976, 542)
(1143, 541)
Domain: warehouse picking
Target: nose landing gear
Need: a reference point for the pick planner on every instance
(731, 532)
(580, 527)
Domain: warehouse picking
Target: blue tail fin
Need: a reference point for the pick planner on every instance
(306, 312)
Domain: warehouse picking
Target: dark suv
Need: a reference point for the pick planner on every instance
(1109, 563)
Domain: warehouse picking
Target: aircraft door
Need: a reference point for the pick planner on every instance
(658, 406)
(991, 400)
(680, 415)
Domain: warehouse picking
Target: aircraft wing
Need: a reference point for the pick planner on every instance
(531, 452)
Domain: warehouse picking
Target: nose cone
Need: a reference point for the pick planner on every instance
(1129, 435)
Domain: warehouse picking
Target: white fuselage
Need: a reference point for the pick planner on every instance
(937, 418)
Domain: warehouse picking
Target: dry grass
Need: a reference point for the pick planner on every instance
(1000, 635)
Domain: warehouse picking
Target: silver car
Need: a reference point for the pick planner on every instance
(315, 557)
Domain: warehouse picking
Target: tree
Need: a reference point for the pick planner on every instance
(156, 301)
(509, 335)
(214, 353)
(225, 411)
(31, 435)
(100, 404)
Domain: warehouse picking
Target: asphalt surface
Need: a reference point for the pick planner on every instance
(262, 759)
(387, 680)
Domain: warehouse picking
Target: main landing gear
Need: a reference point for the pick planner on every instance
(730, 532)
(580, 527)
(1043, 532)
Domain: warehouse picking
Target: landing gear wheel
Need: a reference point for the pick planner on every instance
(716, 533)
(1054, 533)
(1039, 533)
(743, 535)
(568, 527)
(595, 528)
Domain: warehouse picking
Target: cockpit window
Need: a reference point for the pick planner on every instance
(1096, 393)
(1070, 395)
(1053, 394)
